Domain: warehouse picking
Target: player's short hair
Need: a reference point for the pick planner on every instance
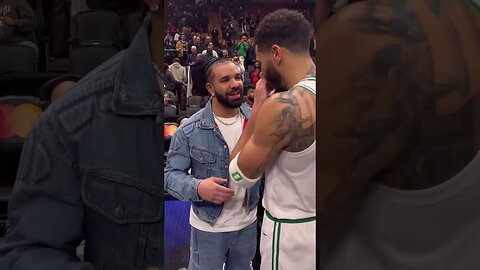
(285, 28)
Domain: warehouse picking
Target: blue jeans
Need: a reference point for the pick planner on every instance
(210, 250)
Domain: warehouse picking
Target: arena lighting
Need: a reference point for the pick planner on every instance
(16, 121)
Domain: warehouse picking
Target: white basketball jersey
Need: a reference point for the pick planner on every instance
(290, 182)
(433, 228)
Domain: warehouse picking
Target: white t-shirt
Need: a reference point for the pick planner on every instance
(235, 215)
(215, 54)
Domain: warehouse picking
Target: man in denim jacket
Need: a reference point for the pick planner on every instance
(92, 169)
(223, 219)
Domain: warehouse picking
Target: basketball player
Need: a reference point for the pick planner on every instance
(398, 147)
(280, 139)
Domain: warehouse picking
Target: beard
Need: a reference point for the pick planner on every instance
(274, 77)
(225, 101)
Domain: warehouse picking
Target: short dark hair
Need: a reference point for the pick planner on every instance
(212, 64)
(249, 86)
(286, 28)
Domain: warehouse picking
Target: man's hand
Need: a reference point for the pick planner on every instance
(8, 21)
(262, 91)
(211, 190)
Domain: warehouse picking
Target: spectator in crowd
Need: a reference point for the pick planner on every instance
(17, 23)
(205, 42)
(179, 74)
(80, 178)
(210, 53)
(241, 68)
(181, 47)
(169, 99)
(244, 25)
(253, 26)
(233, 25)
(195, 42)
(250, 94)
(192, 58)
(228, 34)
(256, 74)
(170, 49)
(223, 45)
(251, 54)
(204, 22)
(176, 37)
(214, 35)
(198, 76)
(224, 54)
(55, 88)
(232, 47)
(171, 29)
(170, 82)
(242, 46)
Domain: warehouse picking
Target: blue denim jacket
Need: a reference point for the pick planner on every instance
(92, 169)
(199, 146)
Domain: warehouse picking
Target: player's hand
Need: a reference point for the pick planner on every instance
(262, 91)
(210, 190)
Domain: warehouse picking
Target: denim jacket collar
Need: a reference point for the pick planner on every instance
(208, 122)
(137, 90)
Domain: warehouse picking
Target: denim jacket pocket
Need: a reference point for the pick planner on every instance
(203, 161)
(120, 198)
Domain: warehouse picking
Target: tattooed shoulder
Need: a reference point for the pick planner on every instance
(296, 119)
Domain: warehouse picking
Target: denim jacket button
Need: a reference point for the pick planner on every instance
(225, 146)
(119, 212)
(124, 96)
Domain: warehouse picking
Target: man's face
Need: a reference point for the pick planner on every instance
(227, 85)
(208, 39)
(210, 46)
(194, 50)
(270, 73)
(182, 37)
(236, 60)
(251, 94)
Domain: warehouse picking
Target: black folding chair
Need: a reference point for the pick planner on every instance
(87, 57)
(97, 27)
(17, 58)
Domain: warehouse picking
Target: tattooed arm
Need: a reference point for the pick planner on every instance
(395, 80)
(286, 121)
(364, 53)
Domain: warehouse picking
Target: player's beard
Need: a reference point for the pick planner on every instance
(274, 77)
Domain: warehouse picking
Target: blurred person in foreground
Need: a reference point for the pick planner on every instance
(398, 158)
(92, 169)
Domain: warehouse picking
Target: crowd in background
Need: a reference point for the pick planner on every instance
(197, 32)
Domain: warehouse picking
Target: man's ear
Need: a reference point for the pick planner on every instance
(210, 89)
(277, 54)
